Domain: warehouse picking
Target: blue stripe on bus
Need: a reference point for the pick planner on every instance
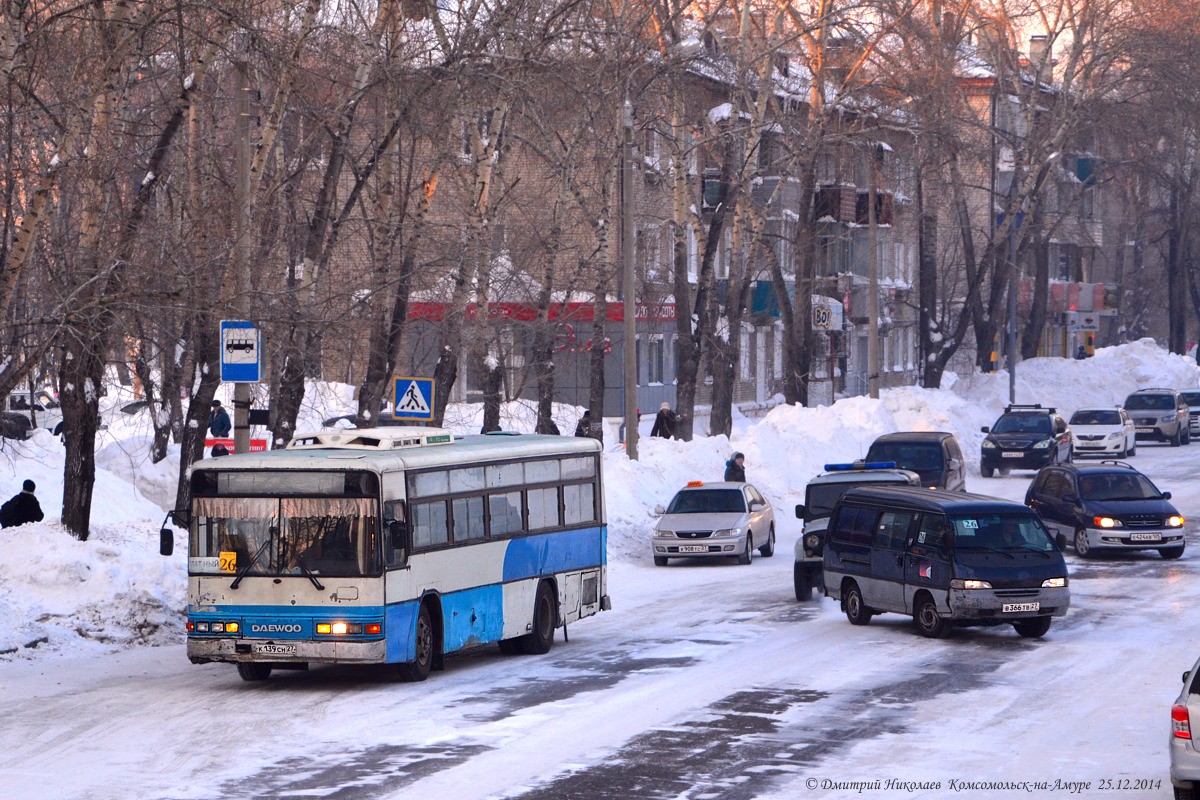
(549, 553)
(472, 617)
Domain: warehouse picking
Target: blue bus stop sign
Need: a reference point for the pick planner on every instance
(414, 399)
(241, 352)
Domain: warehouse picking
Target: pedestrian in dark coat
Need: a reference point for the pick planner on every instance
(584, 428)
(735, 469)
(22, 508)
(218, 421)
(664, 422)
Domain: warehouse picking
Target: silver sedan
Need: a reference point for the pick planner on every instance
(714, 519)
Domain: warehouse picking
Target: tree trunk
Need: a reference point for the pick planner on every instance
(492, 371)
(195, 430)
(1031, 336)
(1176, 291)
(82, 373)
(596, 353)
(929, 335)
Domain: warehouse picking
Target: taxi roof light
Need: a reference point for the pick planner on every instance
(694, 483)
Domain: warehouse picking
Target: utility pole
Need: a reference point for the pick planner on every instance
(629, 322)
(241, 267)
(873, 279)
(1012, 317)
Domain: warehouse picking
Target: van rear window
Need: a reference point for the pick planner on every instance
(854, 525)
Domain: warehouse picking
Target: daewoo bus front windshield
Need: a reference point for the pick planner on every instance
(257, 536)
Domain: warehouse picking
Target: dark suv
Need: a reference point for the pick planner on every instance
(1025, 437)
(1159, 414)
(1109, 505)
(934, 455)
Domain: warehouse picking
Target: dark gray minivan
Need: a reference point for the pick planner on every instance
(946, 558)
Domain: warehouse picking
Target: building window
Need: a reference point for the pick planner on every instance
(654, 359)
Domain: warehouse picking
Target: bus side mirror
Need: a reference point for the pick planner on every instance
(166, 542)
(799, 510)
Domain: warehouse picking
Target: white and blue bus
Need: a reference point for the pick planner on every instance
(393, 545)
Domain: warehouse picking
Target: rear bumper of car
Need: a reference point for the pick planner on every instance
(1185, 763)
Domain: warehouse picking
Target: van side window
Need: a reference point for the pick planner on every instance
(891, 532)
(854, 525)
(932, 532)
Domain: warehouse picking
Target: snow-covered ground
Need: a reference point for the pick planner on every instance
(849, 704)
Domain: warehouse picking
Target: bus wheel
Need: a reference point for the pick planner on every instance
(418, 668)
(251, 671)
(541, 639)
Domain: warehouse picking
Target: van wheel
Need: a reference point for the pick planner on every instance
(418, 669)
(768, 549)
(1171, 552)
(748, 556)
(800, 579)
(1185, 794)
(1083, 548)
(660, 561)
(929, 623)
(545, 615)
(856, 610)
(252, 671)
(986, 471)
(1034, 628)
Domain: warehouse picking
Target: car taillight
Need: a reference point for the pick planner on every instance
(1179, 722)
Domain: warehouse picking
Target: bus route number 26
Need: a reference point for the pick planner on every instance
(228, 561)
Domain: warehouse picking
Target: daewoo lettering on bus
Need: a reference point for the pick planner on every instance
(392, 545)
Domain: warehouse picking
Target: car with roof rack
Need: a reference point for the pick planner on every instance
(706, 520)
(1160, 414)
(1106, 506)
(820, 496)
(1103, 431)
(1025, 437)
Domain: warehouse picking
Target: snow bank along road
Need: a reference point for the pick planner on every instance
(705, 681)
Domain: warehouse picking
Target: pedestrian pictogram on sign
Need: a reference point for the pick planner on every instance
(414, 399)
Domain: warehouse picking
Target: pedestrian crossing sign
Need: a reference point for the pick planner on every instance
(414, 399)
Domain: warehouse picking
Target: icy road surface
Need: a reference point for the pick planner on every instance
(705, 681)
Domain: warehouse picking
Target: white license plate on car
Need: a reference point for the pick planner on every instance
(1145, 537)
(693, 548)
(1011, 608)
(1013, 455)
(275, 649)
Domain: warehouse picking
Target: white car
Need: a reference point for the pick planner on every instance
(714, 519)
(1103, 432)
(1185, 746)
(44, 411)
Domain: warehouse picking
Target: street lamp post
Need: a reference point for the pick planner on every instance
(629, 319)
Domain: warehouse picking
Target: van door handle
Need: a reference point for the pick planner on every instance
(900, 560)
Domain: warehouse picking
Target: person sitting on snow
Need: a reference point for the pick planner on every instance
(22, 508)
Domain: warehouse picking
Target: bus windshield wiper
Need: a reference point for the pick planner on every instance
(308, 573)
(241, 573)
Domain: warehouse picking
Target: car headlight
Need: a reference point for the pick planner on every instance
(988, 444)
(1042, 445)
(1054, 583)
(659, 533)
(1106, 522)
(1169, 418)
(1174, 521)
(1115, 435)
(727, 532)
(812, 541)
(961, 584)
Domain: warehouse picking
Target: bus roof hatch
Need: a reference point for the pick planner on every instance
(371, 439)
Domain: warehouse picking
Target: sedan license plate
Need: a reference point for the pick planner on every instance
(1013, 455)
(1009, 608)
(1145, 537)
(275, 649)
(693, 548)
